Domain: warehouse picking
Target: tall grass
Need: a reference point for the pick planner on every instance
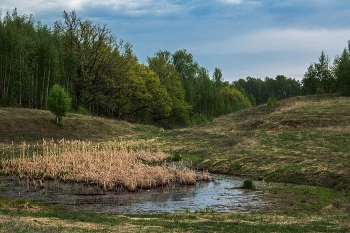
(113, 165)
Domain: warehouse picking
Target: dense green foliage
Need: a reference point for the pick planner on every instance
(324, 77)
(30, 61)
(102, 75)
(59, 102)
(260, 90)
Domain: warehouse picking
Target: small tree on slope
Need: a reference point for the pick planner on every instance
(59, 103)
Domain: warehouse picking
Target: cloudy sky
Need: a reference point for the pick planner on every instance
(258, 38)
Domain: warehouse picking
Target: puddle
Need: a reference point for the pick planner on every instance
(222, 194)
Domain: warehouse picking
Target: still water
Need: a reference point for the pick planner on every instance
(221, 194)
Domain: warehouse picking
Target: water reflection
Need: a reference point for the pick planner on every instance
(221, 194)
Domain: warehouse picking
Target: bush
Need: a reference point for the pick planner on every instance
(83, 111)
(199, 119)
(8, 102)
(175, 158)
(248, 184)
(271, 103)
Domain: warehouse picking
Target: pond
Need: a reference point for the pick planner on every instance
(221, 194)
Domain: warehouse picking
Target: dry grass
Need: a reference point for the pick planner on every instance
(49, 224)
(111, 165)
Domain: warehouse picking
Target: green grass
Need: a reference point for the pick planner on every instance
(309, 209)
(29, 125)
(303, 141)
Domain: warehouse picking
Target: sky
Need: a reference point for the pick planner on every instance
(257, 38)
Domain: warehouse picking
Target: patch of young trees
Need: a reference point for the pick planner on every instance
(324, 77)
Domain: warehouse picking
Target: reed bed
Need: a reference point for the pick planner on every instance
(111, 166)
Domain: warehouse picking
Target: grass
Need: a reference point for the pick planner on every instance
(18, 125)
(304, 141)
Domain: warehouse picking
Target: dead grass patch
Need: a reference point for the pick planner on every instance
(291, 106)
(110, 166)
(46, 222)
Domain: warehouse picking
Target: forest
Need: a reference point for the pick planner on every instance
(103, 76)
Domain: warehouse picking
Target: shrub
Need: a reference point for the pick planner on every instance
(8, 102)
(175, 157)
(248, 184)
(271, 103)
(83, 111)
(199, 119)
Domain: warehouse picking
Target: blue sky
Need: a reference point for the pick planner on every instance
(258, 38)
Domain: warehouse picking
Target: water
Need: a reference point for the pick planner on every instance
(221, 194)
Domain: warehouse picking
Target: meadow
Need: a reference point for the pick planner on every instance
(303, 144)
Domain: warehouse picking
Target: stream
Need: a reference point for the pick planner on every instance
(221, 194)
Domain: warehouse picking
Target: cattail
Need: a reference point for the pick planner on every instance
(112, 164)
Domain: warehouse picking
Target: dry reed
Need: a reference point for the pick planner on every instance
(111, 166)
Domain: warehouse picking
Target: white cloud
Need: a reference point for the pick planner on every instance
(133, 7)
(232, 1)
(40, 6)
(270, 52)
(270, 40)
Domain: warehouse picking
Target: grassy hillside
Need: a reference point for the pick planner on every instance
(29, 125)
(305, 140)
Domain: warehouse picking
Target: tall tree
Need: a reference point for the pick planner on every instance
(319, 77)
(310, 80)
(187, 67)
(341, 71)
(91, 47)
(161, 64)
(218, 77)
(324, 73)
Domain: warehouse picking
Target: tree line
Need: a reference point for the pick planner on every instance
(324, 77)
(103, 76)
(321, 77)
(261, 90)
